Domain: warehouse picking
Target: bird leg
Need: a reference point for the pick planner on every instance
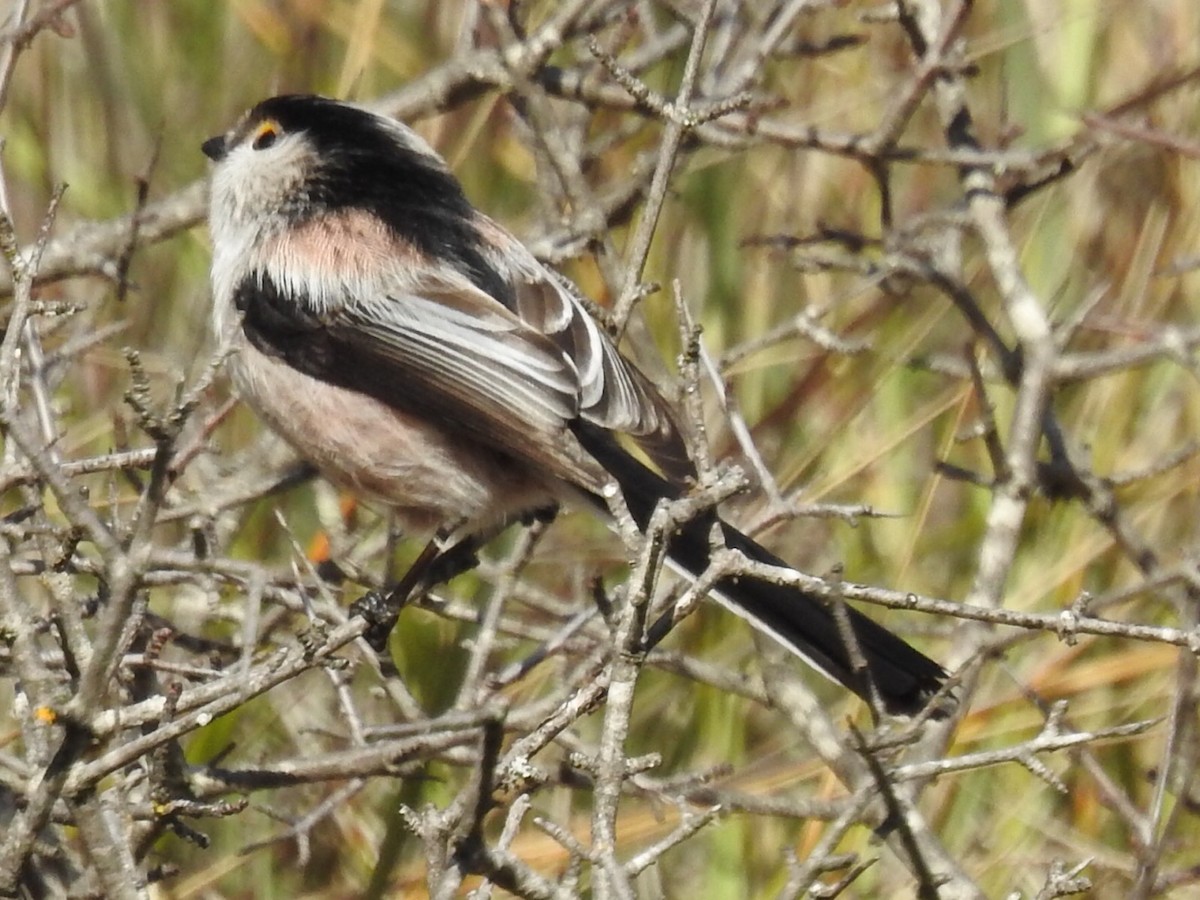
(381, 608)
(434, 566)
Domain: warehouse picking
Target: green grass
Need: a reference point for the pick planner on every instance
(136, 87)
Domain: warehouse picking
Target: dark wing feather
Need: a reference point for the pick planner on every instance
(613, 393)
(440, 348)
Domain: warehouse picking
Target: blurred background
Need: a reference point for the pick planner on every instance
(844, 359)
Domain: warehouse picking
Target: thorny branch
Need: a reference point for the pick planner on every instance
(132, 618)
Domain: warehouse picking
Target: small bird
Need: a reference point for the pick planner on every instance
(416, 352)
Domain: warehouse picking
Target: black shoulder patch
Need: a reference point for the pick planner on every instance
(278, 325)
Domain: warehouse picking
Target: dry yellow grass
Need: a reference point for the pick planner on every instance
(130, 89)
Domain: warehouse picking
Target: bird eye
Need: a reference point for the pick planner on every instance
(265, 135)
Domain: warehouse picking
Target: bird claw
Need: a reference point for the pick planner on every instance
(381, 610)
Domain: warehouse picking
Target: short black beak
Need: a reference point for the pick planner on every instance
(214, 148)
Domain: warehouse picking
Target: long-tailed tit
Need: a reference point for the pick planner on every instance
(416, 352)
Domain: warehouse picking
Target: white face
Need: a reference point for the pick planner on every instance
(265, 197)
(262, 172)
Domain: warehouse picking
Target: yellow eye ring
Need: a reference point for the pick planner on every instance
(265, 134)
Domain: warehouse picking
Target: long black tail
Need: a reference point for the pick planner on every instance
(904, 678)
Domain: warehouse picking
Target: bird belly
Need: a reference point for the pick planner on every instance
(428, 476)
